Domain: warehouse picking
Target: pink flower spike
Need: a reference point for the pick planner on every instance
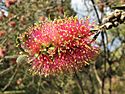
(59, 46)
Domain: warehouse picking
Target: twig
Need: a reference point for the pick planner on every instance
(110, 79)
(39, 85)
(104, 47)
(11, 57)
(110, 67)
(6, 70)
(14, 92)
(97, 76)
(79, 82)
(96, 11)
(11, 79)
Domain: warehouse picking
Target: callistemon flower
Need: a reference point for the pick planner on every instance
(62, 45)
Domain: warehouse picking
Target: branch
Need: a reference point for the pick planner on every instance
(97, 76)
(96, 11)
(11, 79)
(79, 82)
(6, 70)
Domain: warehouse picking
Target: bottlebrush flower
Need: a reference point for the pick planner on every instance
(12, 23)
(8, 3)
(59, 46)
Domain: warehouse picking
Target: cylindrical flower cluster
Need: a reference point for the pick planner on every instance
(57, 46)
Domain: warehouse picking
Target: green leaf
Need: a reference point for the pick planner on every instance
(51, 48)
